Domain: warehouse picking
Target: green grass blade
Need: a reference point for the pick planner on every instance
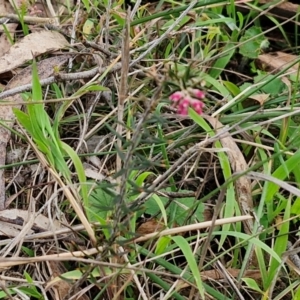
(280, 243)
(80, 171)
(189, 256)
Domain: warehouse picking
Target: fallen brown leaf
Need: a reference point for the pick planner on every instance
(278, 61)
(30, 46)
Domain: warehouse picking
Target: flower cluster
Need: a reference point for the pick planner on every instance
(182, 100)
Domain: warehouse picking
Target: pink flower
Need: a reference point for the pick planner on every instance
(182, 101)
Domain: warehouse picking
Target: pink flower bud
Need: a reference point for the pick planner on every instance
(198, 93)
(175, 97)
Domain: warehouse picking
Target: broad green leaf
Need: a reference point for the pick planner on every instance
(274, 87)
(94, 216)
(99, 204)
(252, 42)
(36, 111)
(221, 63)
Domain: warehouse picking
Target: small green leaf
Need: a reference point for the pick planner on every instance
(27, 277)
(28, 251)
(162, 244)
(252, 284)
(141, 178)
(24, 120)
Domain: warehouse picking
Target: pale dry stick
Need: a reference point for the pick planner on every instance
(257, 145)
(21, 280)
(107, 21)
(59, 77)
(54, 15)
(5, 290)
(135, 8)
(288, 187)
(192, 227)
(73, 32)
(48, 234)
(18, 239)
(76, 207)
(28, 19)
(100, 48)
(74, 24)
(122, 288)
(79, 227)
(8, 262)
(229, 279)
(133, 274)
